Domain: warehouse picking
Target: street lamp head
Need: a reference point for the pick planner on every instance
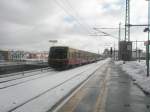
(53, 41)
(146, 29)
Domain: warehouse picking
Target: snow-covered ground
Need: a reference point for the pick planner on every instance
(19, 75)
(41, 94)
(137, 70)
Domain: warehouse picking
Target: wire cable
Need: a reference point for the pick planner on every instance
(68, 13)
(77, 15)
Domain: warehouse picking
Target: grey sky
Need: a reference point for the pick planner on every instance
(29, 24)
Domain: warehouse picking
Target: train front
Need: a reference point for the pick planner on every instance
(58, 57)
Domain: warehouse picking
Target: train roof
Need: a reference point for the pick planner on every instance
(60, 46)
(74, 49)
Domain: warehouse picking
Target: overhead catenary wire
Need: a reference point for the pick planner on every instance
(89, 27)
(109, 28)
(106, 34)
(68, 13)
(76, 17)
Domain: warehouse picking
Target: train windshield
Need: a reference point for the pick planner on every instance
(58, 53)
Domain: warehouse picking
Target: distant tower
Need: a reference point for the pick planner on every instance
(125, 47)
(127, 21)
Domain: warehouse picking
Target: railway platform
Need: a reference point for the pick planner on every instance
(108, 90)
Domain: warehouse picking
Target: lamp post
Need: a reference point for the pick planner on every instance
(148, 30)
(119, 39)
(148, 39)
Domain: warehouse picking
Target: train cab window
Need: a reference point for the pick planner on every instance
(58, 53)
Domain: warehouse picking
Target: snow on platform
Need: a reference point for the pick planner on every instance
(138, 72)
(41, 94)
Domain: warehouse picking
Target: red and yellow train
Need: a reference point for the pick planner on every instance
(62, 57)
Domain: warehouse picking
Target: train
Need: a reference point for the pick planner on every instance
(64, 57)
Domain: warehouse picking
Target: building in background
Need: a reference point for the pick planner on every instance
(4, 55)
(18, 56)
(125, 50)
(39, 56)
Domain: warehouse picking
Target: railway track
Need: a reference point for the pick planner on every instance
(23, 78)
(9, 82)
(40, 90)
(50, 89)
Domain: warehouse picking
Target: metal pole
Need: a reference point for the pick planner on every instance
(119, 31)
(136, 49)
(114, 50)
(119, 35)
(139, 54)
(148, 40)
(127, 21)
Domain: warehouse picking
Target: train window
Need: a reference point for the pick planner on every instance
(59, 53)
(79, 55)
(70, 55)
(74, 54)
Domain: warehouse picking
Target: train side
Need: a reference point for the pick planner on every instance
(64, 57)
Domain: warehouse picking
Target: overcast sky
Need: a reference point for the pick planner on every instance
(30, 24)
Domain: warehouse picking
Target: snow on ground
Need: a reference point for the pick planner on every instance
(12, 76)
(9, 81)
(137, 70)
(54, 88)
